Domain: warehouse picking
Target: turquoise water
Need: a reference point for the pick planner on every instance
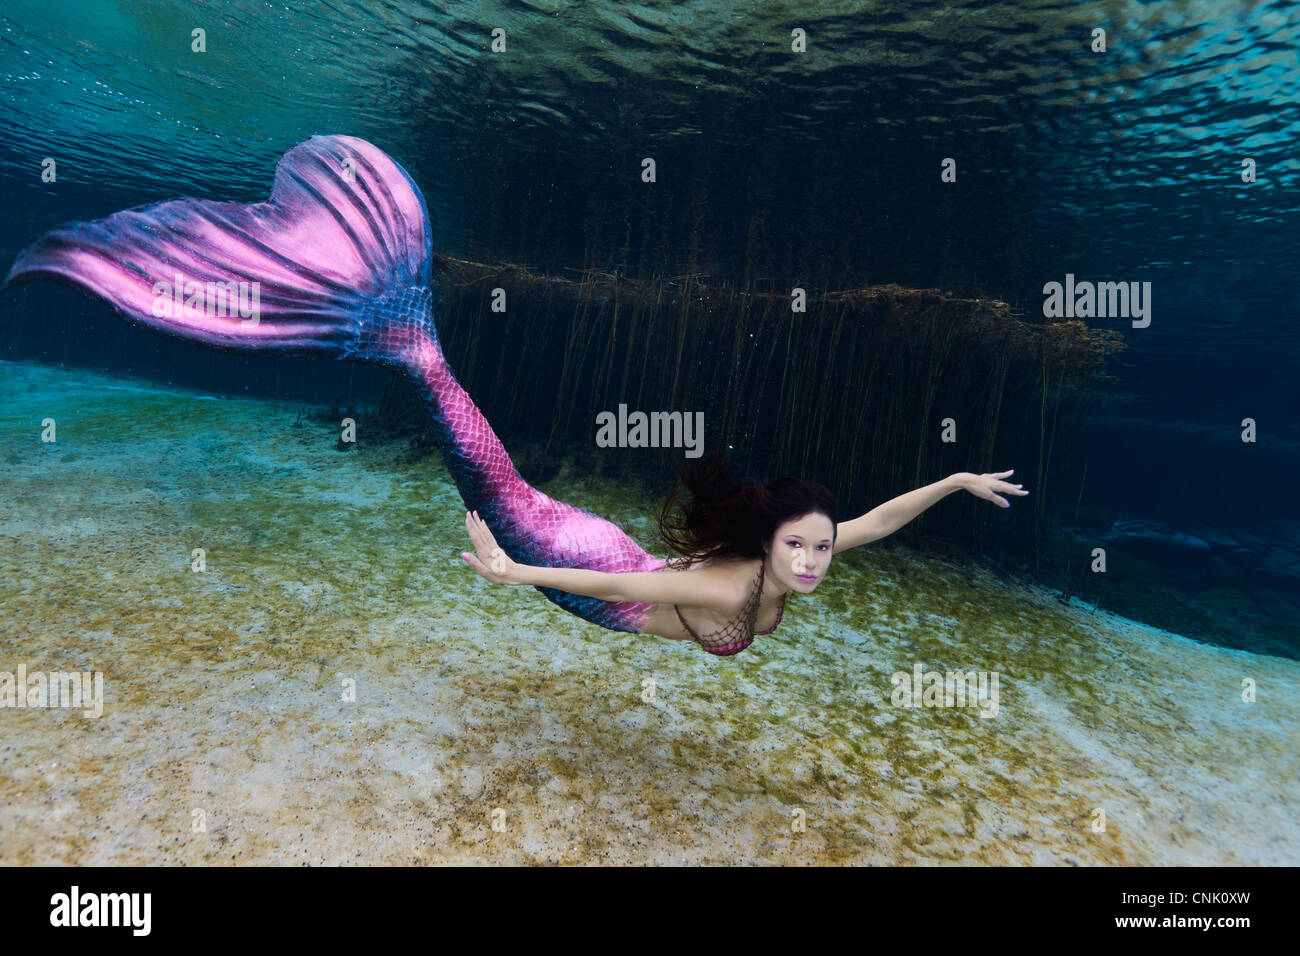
(775, 168)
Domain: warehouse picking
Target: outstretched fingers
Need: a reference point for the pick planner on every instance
(490, 560)
(478, 530)
(988, 485)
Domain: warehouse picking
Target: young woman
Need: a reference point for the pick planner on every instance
(337, 264)
(749, 544)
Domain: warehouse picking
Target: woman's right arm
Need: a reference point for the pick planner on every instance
(713, 586)
(700, 587)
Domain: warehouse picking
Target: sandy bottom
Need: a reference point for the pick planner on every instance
(226, 736)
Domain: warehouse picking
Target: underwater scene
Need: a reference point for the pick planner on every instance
(649, 433)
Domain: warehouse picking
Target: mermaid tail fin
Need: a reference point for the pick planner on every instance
(344, 233)
(340, 257)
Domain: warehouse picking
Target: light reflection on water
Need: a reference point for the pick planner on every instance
(1128, 162)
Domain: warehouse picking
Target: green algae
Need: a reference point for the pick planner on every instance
(325, 566)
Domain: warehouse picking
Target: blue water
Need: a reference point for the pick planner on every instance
(773, 168)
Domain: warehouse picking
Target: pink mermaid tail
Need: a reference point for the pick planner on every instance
(335, 264)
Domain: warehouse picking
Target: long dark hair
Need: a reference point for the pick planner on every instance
(726, 519)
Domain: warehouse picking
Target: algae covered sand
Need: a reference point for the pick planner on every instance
(489, 726)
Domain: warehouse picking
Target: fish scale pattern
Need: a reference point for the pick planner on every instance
(529, 525)
(336, 264)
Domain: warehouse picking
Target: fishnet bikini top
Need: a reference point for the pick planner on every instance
(738, 634)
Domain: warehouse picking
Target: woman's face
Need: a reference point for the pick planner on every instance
(801, 552)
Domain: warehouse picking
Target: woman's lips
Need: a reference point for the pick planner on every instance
(808, 578)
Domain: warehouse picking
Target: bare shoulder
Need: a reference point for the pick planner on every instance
(718, 586)
(730, 580)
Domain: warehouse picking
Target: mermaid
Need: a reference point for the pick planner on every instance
(337, 264)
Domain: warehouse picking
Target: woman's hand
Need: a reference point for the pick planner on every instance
(988, 486)
(490, 561)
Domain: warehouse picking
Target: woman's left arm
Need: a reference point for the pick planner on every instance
(887, 518)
